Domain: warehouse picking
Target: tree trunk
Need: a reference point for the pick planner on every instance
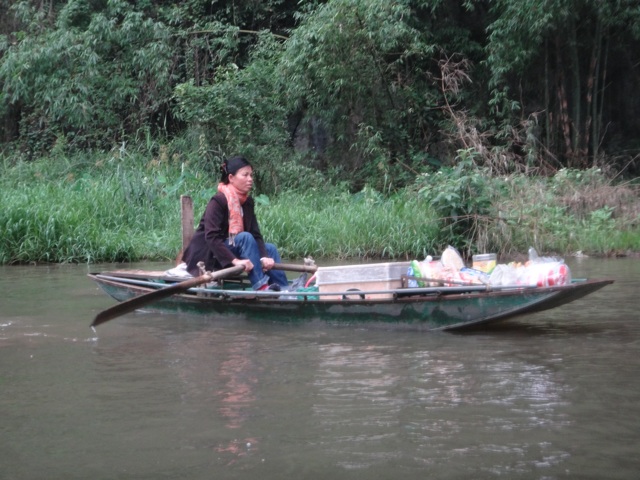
(547, 95)
(577, 96)
(565, 121)
(599, 105)
(591, 85)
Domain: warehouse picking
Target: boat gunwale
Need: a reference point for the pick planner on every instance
(409, 294)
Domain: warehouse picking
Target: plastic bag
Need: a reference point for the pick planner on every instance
(451, 259)
(543, 274)
(535, 258)
(432, 269)
(470, 275)
(504, 275)
(546, 274)
(428, 269)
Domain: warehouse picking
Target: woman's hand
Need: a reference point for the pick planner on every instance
(267, 263)
(248, 266)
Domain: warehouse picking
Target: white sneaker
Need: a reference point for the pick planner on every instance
(180, 271)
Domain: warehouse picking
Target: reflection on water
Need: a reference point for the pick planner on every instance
(239, 380)
(370, 397)
(552, 395)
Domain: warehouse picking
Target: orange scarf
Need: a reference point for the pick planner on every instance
(235, 200)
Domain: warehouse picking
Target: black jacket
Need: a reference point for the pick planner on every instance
(208, 242)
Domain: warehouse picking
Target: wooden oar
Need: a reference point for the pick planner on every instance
(295, 268)
(142, 300)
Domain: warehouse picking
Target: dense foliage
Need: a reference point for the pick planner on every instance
(490, 125)
(373, 91)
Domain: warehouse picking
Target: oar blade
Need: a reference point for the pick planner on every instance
(142, 300)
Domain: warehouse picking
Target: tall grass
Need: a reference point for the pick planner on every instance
(121, 209)
(339, 225)
(114, 216)
(574, 211)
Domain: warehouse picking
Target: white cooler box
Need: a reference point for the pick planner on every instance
(367, 277)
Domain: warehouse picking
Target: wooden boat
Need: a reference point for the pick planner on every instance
(428, 308)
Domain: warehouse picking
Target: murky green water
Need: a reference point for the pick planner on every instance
(553, 395)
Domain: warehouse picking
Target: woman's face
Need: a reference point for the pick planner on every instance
(242, 180)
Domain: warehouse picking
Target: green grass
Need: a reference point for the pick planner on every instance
(342, 226)
(109, 209)
(564, 214)
(91, 218)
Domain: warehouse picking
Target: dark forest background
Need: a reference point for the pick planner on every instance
(363, 91)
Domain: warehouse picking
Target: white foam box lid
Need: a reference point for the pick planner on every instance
(371, 272)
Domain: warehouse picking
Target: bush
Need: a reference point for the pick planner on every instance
(460, 197)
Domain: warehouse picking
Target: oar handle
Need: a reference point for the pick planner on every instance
(295, 268)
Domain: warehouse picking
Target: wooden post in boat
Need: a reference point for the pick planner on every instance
(186, 215)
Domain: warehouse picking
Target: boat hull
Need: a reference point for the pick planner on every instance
(445, 308)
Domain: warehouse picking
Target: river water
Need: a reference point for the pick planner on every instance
(147, 396)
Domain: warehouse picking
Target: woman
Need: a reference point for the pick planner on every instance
(229, 234)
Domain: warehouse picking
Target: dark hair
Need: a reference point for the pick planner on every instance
(230, 166)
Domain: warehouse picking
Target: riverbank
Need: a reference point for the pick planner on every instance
(90, 211)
